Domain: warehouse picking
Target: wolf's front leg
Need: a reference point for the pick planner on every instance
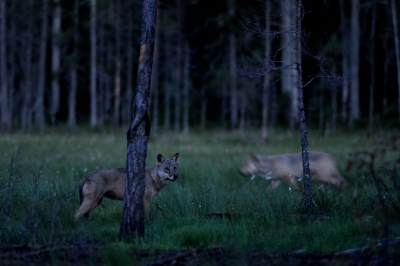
(274, 184)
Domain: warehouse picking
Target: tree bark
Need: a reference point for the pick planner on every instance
(372, 69)
(39, 103)
(154, 77)
(289, 81)
(232, 70)
(26, 114)
(93, 67)
(55, 62)
(186, 87)
(168, 84)
(117, 77)
(397, 47)
(354, 62)
(132, 223)
(303, 128)
(73, 71)
(178, 68)
(203, 108)
(345, 62)
(266, 84)
(5, 122)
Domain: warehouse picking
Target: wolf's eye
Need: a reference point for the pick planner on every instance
(166, 169)
(174, 168)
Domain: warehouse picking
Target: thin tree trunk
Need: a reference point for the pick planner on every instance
(132, 223)
(203, 109)
(39, 103)
(168, 85)
(372, 69)
(26, 116)
(386, 65)
(73, 71)
(354, 62)
(55, 62)
(288, 79)
(93, 67)
(154, 76)
(397, 47)
(232, 70)
(178, 68)
(225, 105)
(242, 110)
(303, 128)
(345, 62)
(117, 78)
(266, 84)
(333, 109)
(5, 106)
(186, 87)
(321, 106)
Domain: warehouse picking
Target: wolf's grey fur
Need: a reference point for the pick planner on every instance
(290, 167)
(110, 183)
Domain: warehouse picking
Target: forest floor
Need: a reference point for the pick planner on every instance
(97, 254)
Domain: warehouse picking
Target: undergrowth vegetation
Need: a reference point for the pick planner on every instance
(210, 204)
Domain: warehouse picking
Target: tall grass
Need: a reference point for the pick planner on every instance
(209, 205)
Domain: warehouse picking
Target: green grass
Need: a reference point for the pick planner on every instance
(38, 195)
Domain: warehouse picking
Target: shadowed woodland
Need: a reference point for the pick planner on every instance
(70, 70)
(75, 63)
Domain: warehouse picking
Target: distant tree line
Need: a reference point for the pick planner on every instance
(75, 62)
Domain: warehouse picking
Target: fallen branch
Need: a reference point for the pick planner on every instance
(386, 242)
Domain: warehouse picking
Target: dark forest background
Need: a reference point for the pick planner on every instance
(74, 62)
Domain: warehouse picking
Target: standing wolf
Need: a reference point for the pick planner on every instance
(110, 183)
(290, 167)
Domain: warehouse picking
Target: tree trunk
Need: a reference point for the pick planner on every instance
(203, 109)
(5, 122)
(232, 70)
(178, 68)
(26, 114)
(154, 77)
(333, 114)
(266, 84)
(225, 105)
(93, 67)
(168, 84)
(289, 80)
(372, 69)
(117, 77)
(186, 87)
(321, 106)
(73, 71)
(303, 128)
(39, 103)
(354, 62)
(397, 47)
(242, 110)
(132, 223)
(55, 62)
(345, 62)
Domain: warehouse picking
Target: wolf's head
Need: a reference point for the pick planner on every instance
(251, 166)
(167, 169)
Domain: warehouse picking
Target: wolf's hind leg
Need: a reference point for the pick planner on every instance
(87, 206)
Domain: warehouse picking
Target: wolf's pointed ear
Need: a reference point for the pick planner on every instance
(160, 159)
(175, 157)
(253, 158)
